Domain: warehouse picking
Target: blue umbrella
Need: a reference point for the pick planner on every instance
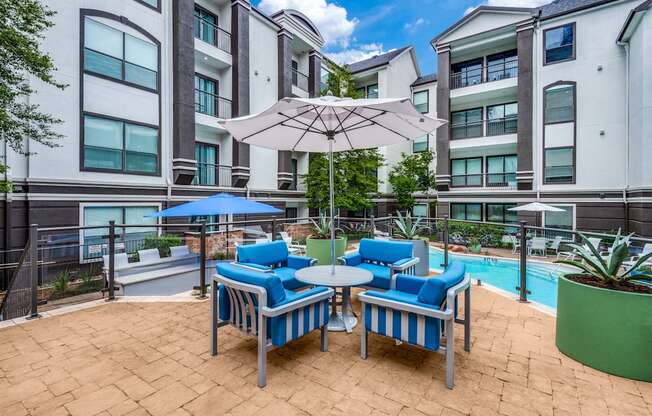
(219, 204)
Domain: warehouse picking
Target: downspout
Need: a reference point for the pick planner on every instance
(627, 88)
(538, 147)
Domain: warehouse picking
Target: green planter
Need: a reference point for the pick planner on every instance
(321, 249)
(475, 248)
(605, 329)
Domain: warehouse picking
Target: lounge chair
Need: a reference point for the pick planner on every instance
(384, 259)
(570, 255)
(237, 294)
(274, 256)
(414, 311)
(149, 256)
(538, 244)
(179, 251)
(647, 249)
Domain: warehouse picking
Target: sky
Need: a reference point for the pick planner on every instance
(359, 29)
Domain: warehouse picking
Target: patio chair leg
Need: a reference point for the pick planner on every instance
(450, 354)
(215, 309)
(364, 335)
(262, 351)
(467, 319)
(324, 338)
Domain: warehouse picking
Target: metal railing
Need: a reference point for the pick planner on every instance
(210, 174)
(299, 79)
(484, 128)
(480, 74)
(212, 34)
(212, 104)
(489, 180)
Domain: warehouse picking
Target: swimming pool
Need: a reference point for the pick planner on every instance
(503, 274)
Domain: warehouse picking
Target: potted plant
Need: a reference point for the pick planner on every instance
(318, 244)
(603, 314)
(408, 229)
(475, 246)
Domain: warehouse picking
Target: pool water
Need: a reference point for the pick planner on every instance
(503, 274)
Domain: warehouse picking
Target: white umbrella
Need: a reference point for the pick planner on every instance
(331, 124)
(536, 207)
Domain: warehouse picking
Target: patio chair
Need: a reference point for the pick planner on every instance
(555, 244)
(647, 249)
(384, 259)
(274, 256)
(570, 255)
(257, 304)
(514, 241)
(418, 310)
(539, 244)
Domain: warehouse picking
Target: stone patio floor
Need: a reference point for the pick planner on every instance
(152, 359)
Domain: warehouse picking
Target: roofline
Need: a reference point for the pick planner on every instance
(290, 12)
(578, 9)
(418, 84)
(643, 7)
(265, 16)
(383, 64)
(476, 11)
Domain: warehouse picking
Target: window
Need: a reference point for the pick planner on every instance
(466, 172)
(420, 210)
(501, 170)
(113, 54)
(151, 3)
(501, 213)
(559, 166)
(130, 239)
(116, 145)
(420, 101)
(502, 65)
(372, 91)
(466, 73)
(207, 157)
(205, 25)
(206, 96)
(469, 212)
(294, 165)
(502, 119)
(466, 124)
(291, 212)
(420, 144)
(295, 70)
(562, 220)
(559, 44)
(325, 75)
(559, 104)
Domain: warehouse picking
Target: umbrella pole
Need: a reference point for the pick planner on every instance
(330, 136)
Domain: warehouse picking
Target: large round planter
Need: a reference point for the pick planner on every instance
(421, 250)
(605, 329)
(321, 249)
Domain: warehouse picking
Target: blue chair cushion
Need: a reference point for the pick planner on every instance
(287, 277)
(271, 282)
(433, 291)
(409, 284)
(390, 322)
(268, 254)
(298, 262)
(384, 250)
(352, 259)
(382, 275)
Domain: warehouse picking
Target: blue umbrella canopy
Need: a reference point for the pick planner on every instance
(219, 204)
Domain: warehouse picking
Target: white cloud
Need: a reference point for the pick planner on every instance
(331, 19)
(413, 26)
(509, 3)
(356, 54)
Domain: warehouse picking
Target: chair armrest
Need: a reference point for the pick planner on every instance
(255, 267)
(432, 312)
(452, 292)
(308, 297)
(352, 259)
(409, 284)
(404, 264)
(299, 262)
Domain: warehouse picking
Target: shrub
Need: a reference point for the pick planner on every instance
(488, 235)
(61, 284)
(162, 243)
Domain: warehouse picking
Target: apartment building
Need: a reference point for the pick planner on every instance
(148, 81)
(397, 74)
(548, 104)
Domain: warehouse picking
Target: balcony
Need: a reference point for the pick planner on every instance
(212, 45)
(212, 105)
(484, 128)
(482, 74)
(300, 82)
(486, 180)
(210, 174)
(212, 34)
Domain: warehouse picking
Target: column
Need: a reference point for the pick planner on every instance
(240, 10)
(284, 175)
(443, 111)
(524, 44)
(314, 74)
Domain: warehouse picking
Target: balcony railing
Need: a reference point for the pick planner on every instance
(482, 74)
(483, 128)
(212, 104)
(210, 174)
(299, 79)
(488, 180)
(210, 33)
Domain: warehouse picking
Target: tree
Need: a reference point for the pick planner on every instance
(411, 175)
(355, 171)
(22, 23)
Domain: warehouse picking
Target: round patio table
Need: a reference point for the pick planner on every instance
(344, 277)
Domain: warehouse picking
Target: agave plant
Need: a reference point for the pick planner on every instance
(608, 269)
(322, 229)
(406, 227)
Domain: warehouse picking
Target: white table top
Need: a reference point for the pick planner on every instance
(344, 276)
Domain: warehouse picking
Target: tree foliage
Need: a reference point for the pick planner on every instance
(355, 171)
(412, 174)
(22, 23)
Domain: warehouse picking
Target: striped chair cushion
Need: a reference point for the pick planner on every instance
(295, 324)
(404, 326)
